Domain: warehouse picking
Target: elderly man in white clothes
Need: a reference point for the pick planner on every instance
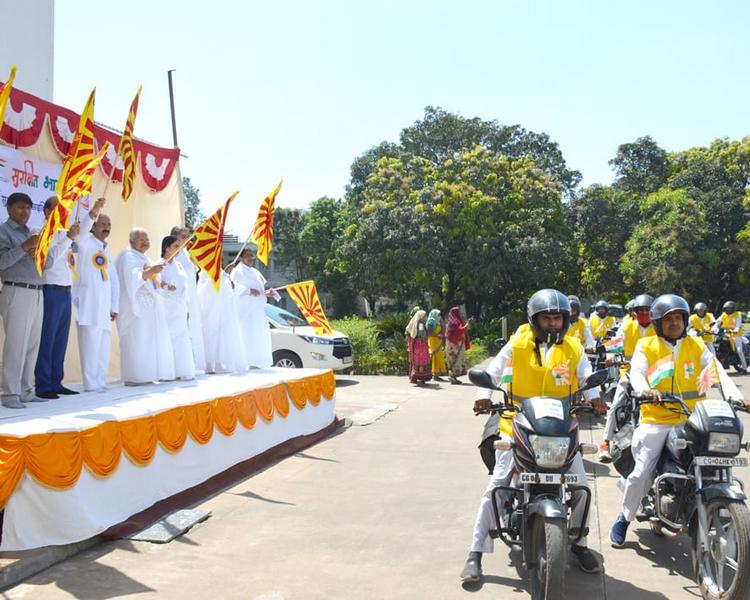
(194, 310)
(176, 307)
(225, 351)
(96, 298)
(146, 353)
(252, 296)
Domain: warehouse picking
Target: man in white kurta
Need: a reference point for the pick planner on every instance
(194, 310)
(250, 289)
(225, 351)
(145, 347)
(96, 296)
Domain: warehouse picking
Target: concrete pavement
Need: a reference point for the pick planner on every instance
(383, 509)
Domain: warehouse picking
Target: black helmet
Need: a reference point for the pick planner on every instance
(700, 306)
(729, 307)
(548, 301)
(665, 304)
(642, 301)
(575, 304)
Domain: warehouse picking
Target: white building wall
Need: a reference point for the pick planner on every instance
(27, 40)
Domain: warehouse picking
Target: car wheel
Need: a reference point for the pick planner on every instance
(286, 360)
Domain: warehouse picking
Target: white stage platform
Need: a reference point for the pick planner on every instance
(74, 467)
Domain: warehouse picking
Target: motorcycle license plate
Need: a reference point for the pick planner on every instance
(720, 461)
(545, 478)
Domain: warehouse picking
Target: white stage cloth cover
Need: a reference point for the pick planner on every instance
(63, 480)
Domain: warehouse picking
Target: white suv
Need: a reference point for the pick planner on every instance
(296, 345)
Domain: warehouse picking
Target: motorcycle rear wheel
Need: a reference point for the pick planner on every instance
(723, 571)
(549, 538)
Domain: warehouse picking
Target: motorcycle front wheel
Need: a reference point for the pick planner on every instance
(549, 538)
(723, 569)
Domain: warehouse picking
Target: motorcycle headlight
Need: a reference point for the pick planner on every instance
(724, 443)
(550, 452)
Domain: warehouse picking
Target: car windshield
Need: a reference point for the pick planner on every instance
(283, 317)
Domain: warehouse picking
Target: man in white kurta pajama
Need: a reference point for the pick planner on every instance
(250, 289)
(145, 346)
(96, 297)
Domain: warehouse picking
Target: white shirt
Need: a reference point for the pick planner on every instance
(59, 272)
(496, 366)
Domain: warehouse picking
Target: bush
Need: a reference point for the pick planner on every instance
(477, 353)
(373, 353)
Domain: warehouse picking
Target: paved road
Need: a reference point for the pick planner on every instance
(384, 509)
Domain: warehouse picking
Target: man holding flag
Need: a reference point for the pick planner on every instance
(668, 362)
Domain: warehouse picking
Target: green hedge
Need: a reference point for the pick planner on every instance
(379, 345)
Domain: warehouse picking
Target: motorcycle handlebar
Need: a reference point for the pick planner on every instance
(498, 408)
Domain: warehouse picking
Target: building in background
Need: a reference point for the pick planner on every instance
(27, 40)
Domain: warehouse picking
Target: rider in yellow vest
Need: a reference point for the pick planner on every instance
(701, 322)
(579, 325)
(629, 316)
(638, 327)
(731, 321)
(540, 360)
(599, 322)
(668, 362)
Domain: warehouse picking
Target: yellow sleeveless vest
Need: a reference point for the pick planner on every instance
(600, 326)
(703, 324)
(555, 377)
(687, 367)
(576, 329)
(633, 334)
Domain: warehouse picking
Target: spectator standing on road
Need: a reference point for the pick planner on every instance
(456, 344)
(436, 342)
(420, 369)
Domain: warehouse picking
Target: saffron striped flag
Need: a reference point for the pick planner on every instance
(127, 151)
(60, 215)
(206, 250)
(81, 153)
(507, 375)
(5, 94)
(660, 370)
(305, 296)
(262, 234)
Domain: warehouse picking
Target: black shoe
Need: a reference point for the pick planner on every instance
(47, 395)
(66, 392)
(473, 568)
(587, 562)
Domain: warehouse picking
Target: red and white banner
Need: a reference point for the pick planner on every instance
(25, 117)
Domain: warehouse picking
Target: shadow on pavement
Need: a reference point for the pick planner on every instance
(346, 382)
(311, 457)
(103, 581)
(254, 496)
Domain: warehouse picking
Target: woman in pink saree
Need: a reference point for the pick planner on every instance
(456, 344)
(420, 362)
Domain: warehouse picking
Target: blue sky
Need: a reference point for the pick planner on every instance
(293, 89)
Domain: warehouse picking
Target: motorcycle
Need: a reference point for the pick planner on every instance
(536, 513)
(724, 353)
(695, 493)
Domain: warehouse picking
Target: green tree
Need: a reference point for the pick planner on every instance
(666, 252)
(324, 226)
(193, 214)
(642, 166)
(287, 247)
(603, 218)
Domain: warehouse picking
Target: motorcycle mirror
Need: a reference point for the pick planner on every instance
(596, 379)
(482, 379)
(500, 343)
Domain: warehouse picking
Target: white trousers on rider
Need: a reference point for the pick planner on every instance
(647, 444)
(711, 348)
(502, 475)
(619, 399)
(739, 343)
